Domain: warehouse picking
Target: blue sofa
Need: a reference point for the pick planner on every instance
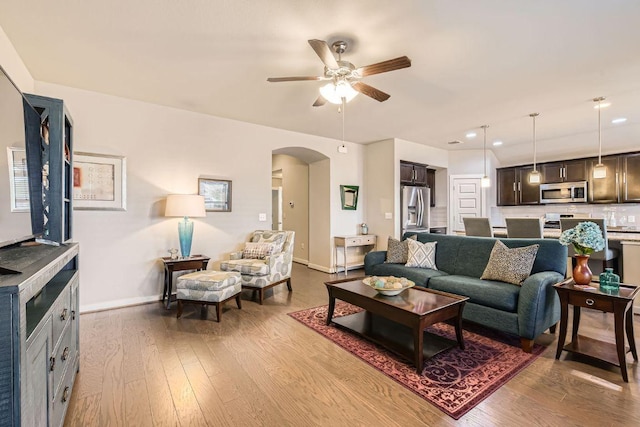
(525, 311)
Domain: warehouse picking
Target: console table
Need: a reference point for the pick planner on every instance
(195, 262)
(620, 304)
(365, 241)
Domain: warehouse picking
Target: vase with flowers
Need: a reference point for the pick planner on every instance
(586, 238)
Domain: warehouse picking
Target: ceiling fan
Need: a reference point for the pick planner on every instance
(344, 78)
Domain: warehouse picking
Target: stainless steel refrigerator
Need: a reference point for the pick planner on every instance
(414, 207)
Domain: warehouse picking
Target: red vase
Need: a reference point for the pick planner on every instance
(581, 273)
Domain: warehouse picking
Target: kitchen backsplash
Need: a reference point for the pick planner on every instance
(621, 215)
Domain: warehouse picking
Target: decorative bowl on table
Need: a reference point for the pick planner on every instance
(388, 285)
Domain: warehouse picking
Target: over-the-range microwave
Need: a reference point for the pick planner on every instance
(564, 192)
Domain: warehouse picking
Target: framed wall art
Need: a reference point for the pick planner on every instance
(99, 182)
(349, 197)
(217, 194)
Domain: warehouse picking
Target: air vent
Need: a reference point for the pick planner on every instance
(455, 142)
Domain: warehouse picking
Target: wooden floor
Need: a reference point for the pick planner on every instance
(140, 366)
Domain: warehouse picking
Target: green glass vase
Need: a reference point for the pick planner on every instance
(609, 281)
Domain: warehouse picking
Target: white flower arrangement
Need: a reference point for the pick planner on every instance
(586, 238)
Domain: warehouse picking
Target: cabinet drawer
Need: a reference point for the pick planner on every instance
(60, 314)
(63, 356)
(368, 240)
(596, 302)
(353, 241)
(62, 396)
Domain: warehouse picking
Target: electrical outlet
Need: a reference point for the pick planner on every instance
(631, 219)
(262, 217)
(302, 245)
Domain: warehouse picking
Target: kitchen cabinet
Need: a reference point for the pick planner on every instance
(513, 187)
(604, 190)
(630, 180)
(565, 171)
(413, 173)
(431, 183)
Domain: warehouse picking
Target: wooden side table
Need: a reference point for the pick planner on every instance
(194, 262)
(346, 242)
(620, 304)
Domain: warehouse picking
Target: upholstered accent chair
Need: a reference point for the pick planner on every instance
(265, 262)
(480, 227)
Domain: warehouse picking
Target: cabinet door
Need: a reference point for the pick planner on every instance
(406, 173)
(431, 183)
(37, 387)
(631, 178)
(552, 172)
(604, 190)
(529, 194)
(576, 170)
(506, 186)
(420, 174)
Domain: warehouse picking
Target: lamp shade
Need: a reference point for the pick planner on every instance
(190, 205)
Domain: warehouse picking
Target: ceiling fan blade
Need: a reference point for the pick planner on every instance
(293, 79)
(324, 52)
(320, 101)
(385, 66)
(370, 91)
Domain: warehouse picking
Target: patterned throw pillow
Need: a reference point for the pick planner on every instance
(397, 251)
(259, 250)
(422, 255)
(510, 265)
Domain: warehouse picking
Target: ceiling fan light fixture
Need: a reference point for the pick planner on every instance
(334, 92)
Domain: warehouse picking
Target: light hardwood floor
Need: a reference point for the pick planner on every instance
(140, 366)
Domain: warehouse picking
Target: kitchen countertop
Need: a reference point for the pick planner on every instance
(619, 234)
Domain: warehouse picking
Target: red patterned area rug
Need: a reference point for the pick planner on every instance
(455, 380)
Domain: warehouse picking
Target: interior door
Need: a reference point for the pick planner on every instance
(466, 200)
(276, 208)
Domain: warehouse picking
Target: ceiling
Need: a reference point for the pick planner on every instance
(473, 63)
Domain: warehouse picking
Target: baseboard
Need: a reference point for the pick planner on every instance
(301, 261)
(320, 268)
(109, 305)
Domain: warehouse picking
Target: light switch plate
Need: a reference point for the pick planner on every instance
(631, 219)
(388, 215)
(262, 217)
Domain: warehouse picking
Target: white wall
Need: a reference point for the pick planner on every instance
(12, 64)
(321, 224)
(380, 179)
(167, 150)
(295, 189)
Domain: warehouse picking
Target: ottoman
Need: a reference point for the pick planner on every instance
(208, 287)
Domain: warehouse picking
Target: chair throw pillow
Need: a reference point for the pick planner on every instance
(398, 251)
(421, 255)
(510, 265)
(259, 250)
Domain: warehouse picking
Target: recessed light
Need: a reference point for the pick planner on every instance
(454, 142)
(619, 120)
(602, 105)
(471, 135)
(497, 143)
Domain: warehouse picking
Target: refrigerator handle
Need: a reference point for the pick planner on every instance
(419, 207)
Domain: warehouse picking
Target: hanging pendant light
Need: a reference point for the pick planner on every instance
(485, 182)
(599, 170)
(534, 176)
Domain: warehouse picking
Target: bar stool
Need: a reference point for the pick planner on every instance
(480, 227)
(524, 228)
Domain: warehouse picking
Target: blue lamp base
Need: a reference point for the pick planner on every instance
(185, 233)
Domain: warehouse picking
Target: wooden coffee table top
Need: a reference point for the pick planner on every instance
(417, 300)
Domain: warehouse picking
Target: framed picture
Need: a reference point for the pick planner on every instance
(217, 194)
(349, 197)
(18, 179)
(99, 182)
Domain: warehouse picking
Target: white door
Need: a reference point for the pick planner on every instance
(276, 208)
(466, 200)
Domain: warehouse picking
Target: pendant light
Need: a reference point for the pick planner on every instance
(485, 181)
(599, 170)
(534, 176)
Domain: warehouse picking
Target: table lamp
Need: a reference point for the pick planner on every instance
(185, 205)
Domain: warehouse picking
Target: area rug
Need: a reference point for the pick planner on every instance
(455, 380)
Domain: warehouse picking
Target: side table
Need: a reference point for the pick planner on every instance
(194, 262)
(620, 304)
(346, 242)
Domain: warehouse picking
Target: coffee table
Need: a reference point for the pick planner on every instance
(398, 322)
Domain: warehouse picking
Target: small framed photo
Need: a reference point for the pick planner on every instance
(217, 194)
(349, 197)
(18, 179)
(99, 182)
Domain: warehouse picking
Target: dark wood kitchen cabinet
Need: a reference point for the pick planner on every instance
(431, 183)
(604, 190)
(506, 186)
(565, 171)
(513, 187)
(413, 173)
(630, 180)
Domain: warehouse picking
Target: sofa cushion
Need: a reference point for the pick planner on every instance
(398, 251)
(499, 295)
(420, 276)
(511, 265)
(422, 255)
